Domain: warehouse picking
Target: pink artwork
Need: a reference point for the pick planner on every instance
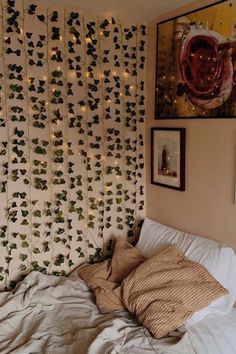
(196, 64)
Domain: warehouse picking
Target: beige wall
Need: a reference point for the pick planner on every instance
(207, 206)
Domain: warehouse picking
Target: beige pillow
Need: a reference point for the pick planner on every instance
(125, 258)
(104, 278)
(167, 289)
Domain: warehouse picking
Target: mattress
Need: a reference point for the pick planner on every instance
(57, 315)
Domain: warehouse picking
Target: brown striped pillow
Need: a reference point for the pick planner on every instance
(167, 289)
(104, 278)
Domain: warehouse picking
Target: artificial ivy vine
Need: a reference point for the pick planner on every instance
(72, 111)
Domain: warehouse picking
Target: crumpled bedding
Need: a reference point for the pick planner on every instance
(57, 315)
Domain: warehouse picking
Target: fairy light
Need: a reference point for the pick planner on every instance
(87, 74)
(88, 40)
(83, 109)
(114, 73)
(101, 33)
(61, 38)
(125, 74)
(59, 68)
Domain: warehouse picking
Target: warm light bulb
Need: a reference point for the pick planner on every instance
(101, 33)
(88, 40)
(83, 108)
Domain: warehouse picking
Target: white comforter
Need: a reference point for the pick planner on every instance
(57, 315)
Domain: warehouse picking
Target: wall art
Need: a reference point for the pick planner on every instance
(195, 64)
(168, 157)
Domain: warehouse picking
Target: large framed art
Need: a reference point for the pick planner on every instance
(168, 157)
(196, 64)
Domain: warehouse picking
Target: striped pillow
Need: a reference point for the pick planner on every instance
(104, 278)
(167, 289)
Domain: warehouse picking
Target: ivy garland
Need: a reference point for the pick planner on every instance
(72, 111)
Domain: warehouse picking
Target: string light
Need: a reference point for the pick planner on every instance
(87, 74)
(83, 109)
(61, 38)
(101, 33)
(59, 68)
(88, 40)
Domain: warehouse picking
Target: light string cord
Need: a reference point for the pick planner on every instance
(8, 135)
(51, 132)
(29, 141)
(67, 140)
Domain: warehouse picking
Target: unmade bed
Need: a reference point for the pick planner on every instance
(58, 315)
(49, 314)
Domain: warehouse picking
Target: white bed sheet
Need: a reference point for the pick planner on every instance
(215, 334)
(57, 315)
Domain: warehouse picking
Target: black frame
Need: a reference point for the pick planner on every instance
(171, 19)
(182, 158)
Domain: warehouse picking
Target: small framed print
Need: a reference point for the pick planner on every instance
(168, 157)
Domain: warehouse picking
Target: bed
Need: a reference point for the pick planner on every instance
(58, 315)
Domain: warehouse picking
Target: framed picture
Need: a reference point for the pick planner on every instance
(196, 64)
(168, 157)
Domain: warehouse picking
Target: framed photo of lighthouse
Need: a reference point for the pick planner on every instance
(196, 64)
(168, 157)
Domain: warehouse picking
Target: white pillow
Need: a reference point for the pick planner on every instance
(217, 258)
